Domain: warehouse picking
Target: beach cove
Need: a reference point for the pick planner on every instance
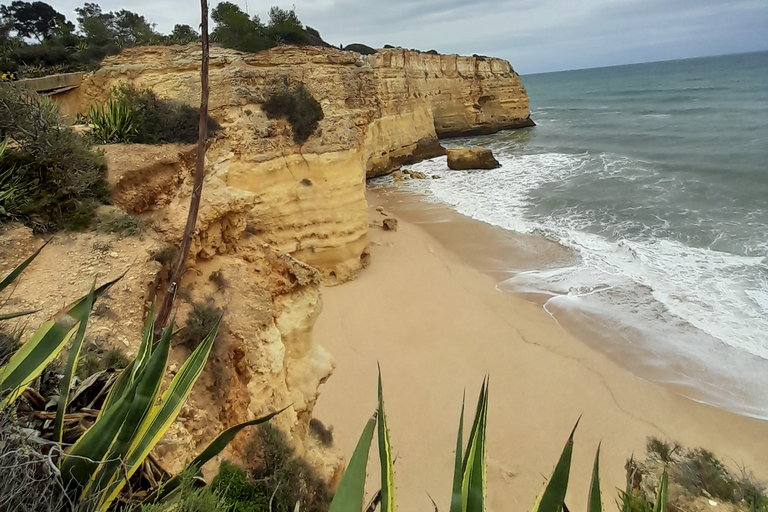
(437, 325)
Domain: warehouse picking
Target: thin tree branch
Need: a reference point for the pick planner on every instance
(197, 188)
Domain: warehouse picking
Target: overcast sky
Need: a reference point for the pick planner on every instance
(534, 35)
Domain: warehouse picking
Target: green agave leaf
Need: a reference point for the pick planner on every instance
(553, 497)
(44, 345)
(212, 450)
(474, 450)
(595, 503)
(128, 375)
(661, 495)
(173, 399)
(385, 457)
(476, 465)
(13, 274)
(147, 389)
(69, 371)
(349, 496)
(458, 473)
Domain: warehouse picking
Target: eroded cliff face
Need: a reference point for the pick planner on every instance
(277, 218)
(381, 111)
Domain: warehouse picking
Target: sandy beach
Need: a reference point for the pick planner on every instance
(429, 312)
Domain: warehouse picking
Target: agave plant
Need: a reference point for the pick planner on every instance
(112, 122)
(469, 478)
(135, 414)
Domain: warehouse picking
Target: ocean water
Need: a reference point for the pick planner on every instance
(657, 176)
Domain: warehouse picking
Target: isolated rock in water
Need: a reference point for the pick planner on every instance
(471, 158)
(389, 224)
(415, 174)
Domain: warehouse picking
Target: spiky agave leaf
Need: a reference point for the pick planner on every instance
(661, 496)
(13, 274)
(595, 499)
(69, 371)
(101, 449)
(349, 495)
(161, 416)
(474, 479)
(385, 457)
(458, 473)
(167, 489)
(553, 497)
(42, 347)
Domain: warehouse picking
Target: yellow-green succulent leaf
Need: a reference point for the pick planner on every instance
(553, 497)
(385, 457)
(128, 375)
(477, 479)
(147, 388)
(69, 371)
(213, 449)
(13, 274)
(349, 496)
(661, 496)
(595, 499)
(161, 416)
(456, 499)
(43, 346)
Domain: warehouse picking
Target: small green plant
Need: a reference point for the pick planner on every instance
(664, 450)
(122, 224)
(199, 322)
(218, 279)
(94, 358)
(297, 106)
(166, 255)
(112, 122)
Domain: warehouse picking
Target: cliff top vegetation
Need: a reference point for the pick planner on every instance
(36, 40)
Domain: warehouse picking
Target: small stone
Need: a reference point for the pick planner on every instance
(380, 209)
(435, 177)
(113, 255)
(389, 224)
(713, 503)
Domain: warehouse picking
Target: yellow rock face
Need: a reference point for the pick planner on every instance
(380, 111)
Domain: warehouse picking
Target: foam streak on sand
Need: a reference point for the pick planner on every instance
(437, 324)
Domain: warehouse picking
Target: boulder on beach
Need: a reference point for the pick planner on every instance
(460, 159)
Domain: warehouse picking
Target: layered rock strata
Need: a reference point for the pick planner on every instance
(380, 111)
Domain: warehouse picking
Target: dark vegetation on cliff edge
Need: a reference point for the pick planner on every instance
(36, 40)
(297, 106)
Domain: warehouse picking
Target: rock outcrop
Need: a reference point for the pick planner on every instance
(380, 111)
(460, 159)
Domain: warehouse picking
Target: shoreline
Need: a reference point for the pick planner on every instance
(437, 323)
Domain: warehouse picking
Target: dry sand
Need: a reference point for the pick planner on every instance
(437, 324)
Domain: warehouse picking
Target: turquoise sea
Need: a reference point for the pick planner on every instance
(656, 175)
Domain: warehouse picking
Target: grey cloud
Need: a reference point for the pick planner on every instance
(533, 35)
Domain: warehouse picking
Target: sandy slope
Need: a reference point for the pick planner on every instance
(437, 326)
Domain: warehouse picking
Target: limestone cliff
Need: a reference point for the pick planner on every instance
(381, 111)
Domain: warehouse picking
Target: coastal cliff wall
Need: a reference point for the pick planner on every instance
(380, 111)
(277, 218)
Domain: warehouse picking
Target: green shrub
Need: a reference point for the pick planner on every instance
(94, 358)
(203, 316)
(662, 449)
(158, 120)
(49, 177)
(297, 106)
(702, 470)
(122, 224)
(282, 476)
(166, 255)
(237, 490)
